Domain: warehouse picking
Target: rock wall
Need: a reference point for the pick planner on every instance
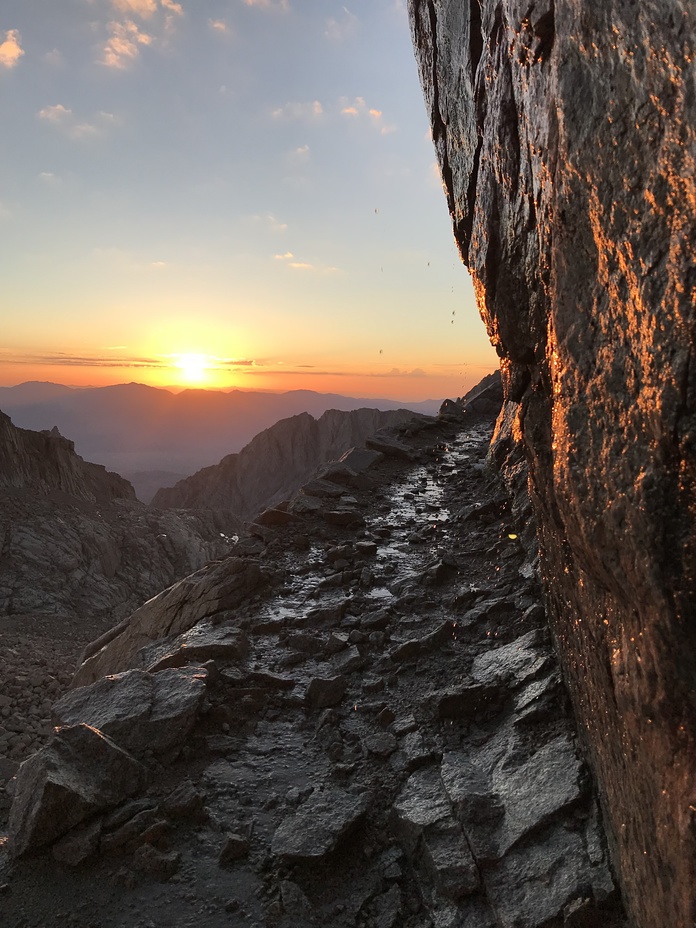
(565, 136)
(277, 461)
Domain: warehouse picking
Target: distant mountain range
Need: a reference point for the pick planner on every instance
(154, 437)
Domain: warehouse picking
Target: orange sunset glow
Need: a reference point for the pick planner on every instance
(276, 224)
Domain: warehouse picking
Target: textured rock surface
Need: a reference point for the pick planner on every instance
(276, 462)
(76, 542)
(78, 773)
(211, 591)
(565, 136)
(143, 713)
(365, 808)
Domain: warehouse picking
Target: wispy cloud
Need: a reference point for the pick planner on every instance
(344, 27)
(60, 359)
(65, 120)
(10, 48)
(54, 58)
(283, 5)
(219, 25)
(123, 45)
(142, 8)
(271, 222)
(291, 261)
(311, 110)
(359, 109)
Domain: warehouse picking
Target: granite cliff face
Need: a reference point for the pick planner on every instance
(276, 462)
(565, 136)
(76, 542)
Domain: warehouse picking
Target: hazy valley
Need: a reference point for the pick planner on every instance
(154, 437)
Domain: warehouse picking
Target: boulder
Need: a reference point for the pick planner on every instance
(218, 587)
(80, 772)
(142, 712)
(424, 823)
(205, 641)
(317, 828)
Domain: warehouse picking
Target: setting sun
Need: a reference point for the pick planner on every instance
(193, 367)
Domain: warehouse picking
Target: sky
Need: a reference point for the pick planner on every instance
(226, 194)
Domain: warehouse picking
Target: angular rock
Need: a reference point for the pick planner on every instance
(345, 518)
(323, 488)
(236, 847)
(185, 801)
(205, 641)
(275, 517)
(319, 825)
(302, 504)
(143, 712)
(158, 864)
(534, 884)
(512, 663)
(422, 818)
(79, 844)
(360, 459)
(381, 745)
(468, 702)
(80, 772)
(501, 804)
(217, 587)
(388, 445)
(325, 692)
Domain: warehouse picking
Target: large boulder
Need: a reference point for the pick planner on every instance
(211, 591)
(142, 712)
(80, 772)
(565, 133)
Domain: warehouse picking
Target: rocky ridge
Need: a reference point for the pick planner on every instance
(276, 462)
(565, 133)
(357, 720)
(76, 542)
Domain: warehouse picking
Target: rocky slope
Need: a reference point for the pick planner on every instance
(74, 540)
(565, 136)
(357, 720)
(276, 462)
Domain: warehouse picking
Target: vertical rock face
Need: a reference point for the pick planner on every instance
(565, 136)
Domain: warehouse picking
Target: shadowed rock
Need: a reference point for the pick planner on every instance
(318, 827)
(78, 773)
(142, 712)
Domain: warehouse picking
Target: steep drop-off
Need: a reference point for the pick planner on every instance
(565, 136)
(277, 461)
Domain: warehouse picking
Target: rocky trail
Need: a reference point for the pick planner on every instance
(356, 720)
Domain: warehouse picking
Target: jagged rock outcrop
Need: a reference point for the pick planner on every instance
(75, 541)
(565, 136)
(276, 462)
(45, 462)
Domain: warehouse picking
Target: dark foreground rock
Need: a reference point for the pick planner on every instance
(565, 133)
(378, 736)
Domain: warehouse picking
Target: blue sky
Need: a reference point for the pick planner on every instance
(232, 193)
